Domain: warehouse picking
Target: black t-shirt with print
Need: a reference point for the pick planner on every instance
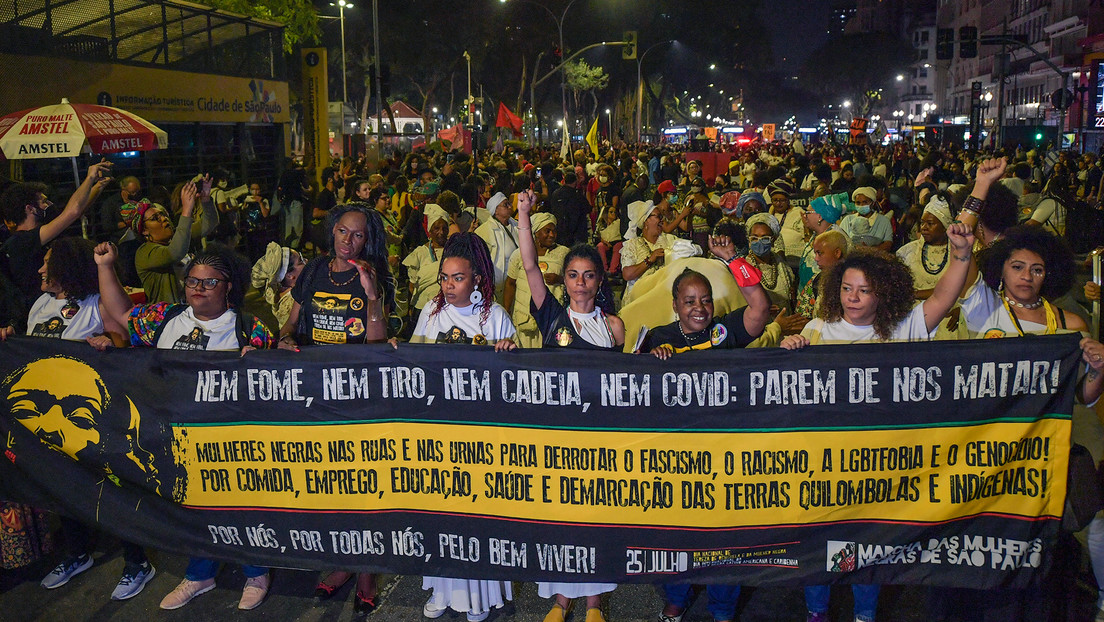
(556, 327)
(725, 332)
(333, 303)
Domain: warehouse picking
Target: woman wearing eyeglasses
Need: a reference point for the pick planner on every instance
(158, 259)
(778, 280)
(210, 319)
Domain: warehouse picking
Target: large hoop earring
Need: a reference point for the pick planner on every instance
(476, 297)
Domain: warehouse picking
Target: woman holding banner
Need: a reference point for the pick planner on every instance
(1019, 272)
(696, 329)
(210, 320)
(869, 297)
(341, 298)
(584, 324)
(464, 312)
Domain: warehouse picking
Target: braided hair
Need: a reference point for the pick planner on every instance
(471, 247)
(375, 244)
(231, 265)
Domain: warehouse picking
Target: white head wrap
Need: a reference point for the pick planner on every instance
(763, 218)
(492, 203)
(638, 213)
(939, 208)
(540, 220)
(434, 213)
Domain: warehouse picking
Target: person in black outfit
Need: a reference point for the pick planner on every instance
(571, 210)
(585, 320)
(23, 207)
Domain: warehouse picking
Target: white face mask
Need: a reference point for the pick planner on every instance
(603, 178)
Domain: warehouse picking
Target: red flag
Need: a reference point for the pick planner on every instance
(508, 119)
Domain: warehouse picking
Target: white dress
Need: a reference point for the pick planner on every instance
(464, 595)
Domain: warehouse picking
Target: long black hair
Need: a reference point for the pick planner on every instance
(375, 244)
(604, 298)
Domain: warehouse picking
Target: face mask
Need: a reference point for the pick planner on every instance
(696, 189)
(603, 179)
(761, 247)
(222, 184)
(672, 198)
(863, 210)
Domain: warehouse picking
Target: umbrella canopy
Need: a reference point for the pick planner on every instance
(63, 130)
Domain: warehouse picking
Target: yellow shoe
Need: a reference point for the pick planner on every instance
(555, 615)
(595, 615)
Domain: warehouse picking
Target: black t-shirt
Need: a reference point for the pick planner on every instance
(333, 304)
(725, 332)
(604, 197)
(25, 256)
(556, 327)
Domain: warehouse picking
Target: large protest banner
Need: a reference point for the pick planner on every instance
(933, 463)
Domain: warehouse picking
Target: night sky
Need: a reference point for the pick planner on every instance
(796, 28)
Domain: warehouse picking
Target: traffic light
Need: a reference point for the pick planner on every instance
(628, 51)
(1038, 136)
(968, 42)
(944, 43)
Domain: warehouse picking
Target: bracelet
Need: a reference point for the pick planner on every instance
(965, 257)
(285, 339)
(523, 228)
(974, 205)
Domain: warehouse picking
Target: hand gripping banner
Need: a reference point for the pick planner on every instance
(938, 463)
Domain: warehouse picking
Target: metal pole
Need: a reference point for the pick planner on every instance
(379, 72)
(1094, 328)
(639, 97)
(344, 79)
(999, 142)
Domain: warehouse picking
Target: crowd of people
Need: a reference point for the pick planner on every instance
(643, 250)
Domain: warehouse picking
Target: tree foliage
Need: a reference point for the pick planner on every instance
(299, 17)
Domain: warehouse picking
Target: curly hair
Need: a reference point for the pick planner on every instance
(73, 268)
(471, 247)
(890, 281)
(604, 298)
(16, 198)
(231, 265)
(375, 244)
(1056, 254)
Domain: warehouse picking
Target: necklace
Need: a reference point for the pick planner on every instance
(925, 264)
(769, 270)
(330, 272)
(698, 335)
(1029, 306)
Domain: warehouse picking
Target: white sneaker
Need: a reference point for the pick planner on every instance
(432, 611)
(135, 577)
(66, 570)
(478, 617)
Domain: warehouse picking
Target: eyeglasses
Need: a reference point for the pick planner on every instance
(194, 283)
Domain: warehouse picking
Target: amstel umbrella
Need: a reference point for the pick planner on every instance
(65, 130)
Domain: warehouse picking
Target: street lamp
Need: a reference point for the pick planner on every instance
(341, 6)
(609, 122)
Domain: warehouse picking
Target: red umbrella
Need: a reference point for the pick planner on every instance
(64, 130)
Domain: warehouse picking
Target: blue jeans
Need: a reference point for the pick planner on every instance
(866, 599)
(200, 569)
(722, 598)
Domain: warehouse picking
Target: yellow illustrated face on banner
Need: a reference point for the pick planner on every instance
(61, 400)
(67, 405)
(677, 478)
